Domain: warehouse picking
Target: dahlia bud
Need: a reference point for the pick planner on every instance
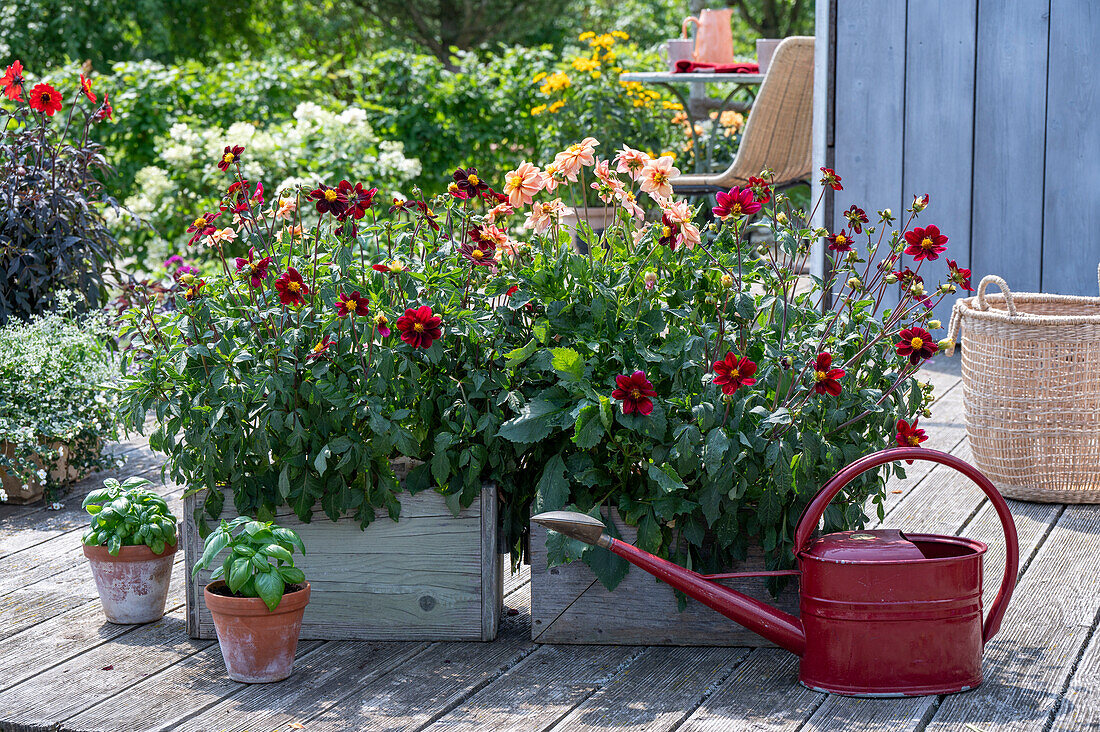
(785, 362)
(920, 203)
(711, 300)
(187, 278)
(917, 289)
(781, 218)
(891, 278)
(946, 343)
(935, 324)
(948, 287)
(650, 279)
(926, 412)
(854, 283)
(727, 281)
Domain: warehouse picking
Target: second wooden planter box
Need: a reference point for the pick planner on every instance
(429, 576)
(569, 605)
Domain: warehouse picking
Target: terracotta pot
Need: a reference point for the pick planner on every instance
(257, 644)
(133, 586)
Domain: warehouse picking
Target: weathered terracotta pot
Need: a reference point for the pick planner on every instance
(133, 586)
(257, 644)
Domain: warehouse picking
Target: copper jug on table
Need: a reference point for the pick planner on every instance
(713, 36)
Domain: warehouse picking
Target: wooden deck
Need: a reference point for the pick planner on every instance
(64, 668)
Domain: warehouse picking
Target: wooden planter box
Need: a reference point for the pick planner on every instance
(63, 473)
(429, 576)
(569, 605)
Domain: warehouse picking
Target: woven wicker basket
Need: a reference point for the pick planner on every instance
(1031, 387)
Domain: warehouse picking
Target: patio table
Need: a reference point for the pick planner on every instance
(698, 104)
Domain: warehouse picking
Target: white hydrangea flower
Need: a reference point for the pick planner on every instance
(178, 155)
(240, 133)
(353, 116)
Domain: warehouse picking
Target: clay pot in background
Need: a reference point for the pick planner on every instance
(257, 644)
(133, 586)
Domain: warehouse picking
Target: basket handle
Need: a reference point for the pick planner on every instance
(813, 512)
(999, 282)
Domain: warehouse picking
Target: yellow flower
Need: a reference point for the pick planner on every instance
(583, 63)
(536, 111)
(539, 77)
(608, 57)
(556, 106)
(668, 153)
(729, 118)
(604, 41)
(586, 35)
(620, 35)
(597, 74)
(555, 82)
(672, 105)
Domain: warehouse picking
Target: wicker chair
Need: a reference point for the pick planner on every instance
(777, 134)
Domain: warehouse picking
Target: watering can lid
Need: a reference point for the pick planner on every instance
(878, 545)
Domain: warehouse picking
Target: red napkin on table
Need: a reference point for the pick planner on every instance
(686, 67)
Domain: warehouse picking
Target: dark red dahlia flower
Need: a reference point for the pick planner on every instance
(318, 351)
(428, 215)
(254, 269)
(826, 378)
(909, 435)
(45, 99)
(959, 276)
(926, 243)
(292, 288)
(391, 267)
(760, 189)
(831, 179)
(13, 81)
(328, 200)
(358, 198)
(840, 241)
(105, 111)
(382, 323)
(230, 156)
(353, 304)
(907, 276)
(86, 87)
(194, 292)
(857, 217)
(478, 249)
(733, 372)
(457, 192)
(468, 181)
(669, 232)
(202, 226)
(735, 203)
(916, 343)
(419, 328)
(635, 392)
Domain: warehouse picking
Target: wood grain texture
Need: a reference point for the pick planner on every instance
(1071, 216)
(1009, 119)
(568, 605)
(1079, 708)
(429, 576)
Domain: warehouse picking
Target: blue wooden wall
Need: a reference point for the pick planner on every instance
(990, 106)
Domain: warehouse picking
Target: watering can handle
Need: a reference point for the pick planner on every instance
(808, 523)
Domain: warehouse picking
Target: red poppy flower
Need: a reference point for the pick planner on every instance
(45, 99)
(468, 181)
(202, 226)
(13, 81)
(733, 372)
(760, 189)
(737, 202)
(318, 351)
(635, 392)
(254, 269)
(352, 305)
(909, 435)
(358, 198)
(857, 217)
(959, 275)
(194, 292)
(826, 378)
(669, 232)
(479, 250)
(292, 288)
(229, 156)
(86, 87)
(917, 344)
(419, 328)
(840, 241)
(105, 111)
(382, 323)
(831, 179)
(925, 243)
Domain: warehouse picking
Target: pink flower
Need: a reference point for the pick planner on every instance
(678, 211)
(576, 156)
(736, 203)
(630, 162)
(689, 235)
(498, 213)
(656, 177)
(629, 202)
(522, 184)
(221, 235)
(552, 177)
(542, 215)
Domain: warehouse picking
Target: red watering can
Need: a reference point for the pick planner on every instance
(883, 613)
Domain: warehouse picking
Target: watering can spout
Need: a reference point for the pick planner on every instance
(783, 629)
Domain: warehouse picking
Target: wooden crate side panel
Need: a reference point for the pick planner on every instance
(568, 605)
(1071, 210)
(492, 566)
(1009, 116)
(421, 578)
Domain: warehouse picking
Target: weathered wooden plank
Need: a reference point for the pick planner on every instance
(539, 690)
(430, 576)
(869, 104)
(98, 674)
(939, 62)
(761, 694)
(1049, 621)
(1079, 707)
(1009, 117)
(432, 683)
(658, 690)
(568, 605)
(1071, 188)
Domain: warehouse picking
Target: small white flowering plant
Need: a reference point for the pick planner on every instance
(57, 396)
